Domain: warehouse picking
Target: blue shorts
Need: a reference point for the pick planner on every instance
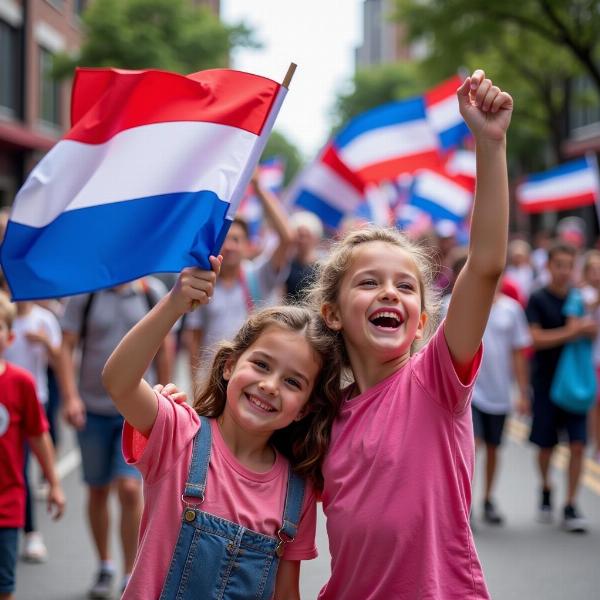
(9, 539)
(488, 427)
(101, 455)
(550, 421)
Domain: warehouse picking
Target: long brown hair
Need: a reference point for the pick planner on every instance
(303, 442)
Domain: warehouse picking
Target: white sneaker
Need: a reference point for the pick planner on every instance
(34, 549)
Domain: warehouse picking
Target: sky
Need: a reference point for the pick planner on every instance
(320, 37)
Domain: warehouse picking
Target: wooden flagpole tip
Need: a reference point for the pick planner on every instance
(288, 76)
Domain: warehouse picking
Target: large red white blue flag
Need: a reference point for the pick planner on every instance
(328, 188)
(147, 179)
(570, 185)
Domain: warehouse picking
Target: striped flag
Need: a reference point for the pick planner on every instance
(443, 114)
(147, 179)
(441, 196)
(570, 185)
(328, 188)
(389, 140)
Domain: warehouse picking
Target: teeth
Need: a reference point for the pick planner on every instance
(389, 315)
(260, 404)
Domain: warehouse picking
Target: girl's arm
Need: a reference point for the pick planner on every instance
(124, 371)
(287, 584)
(487, 112)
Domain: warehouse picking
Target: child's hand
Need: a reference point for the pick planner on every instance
(37, 337)
(172, 392)
(485, 107)
(195, 286)
(56, 501)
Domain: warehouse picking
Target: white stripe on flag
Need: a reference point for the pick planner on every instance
(144, 161)
(572, 184)
(445, 114)
(444, 192)
(386, 143)
(324, 182)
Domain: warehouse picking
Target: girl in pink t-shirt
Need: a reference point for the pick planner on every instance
(398, 472)
(228, 484)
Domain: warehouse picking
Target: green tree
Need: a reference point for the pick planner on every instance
(535, 68)
(571, 25)
(173, 35)
(279, 145)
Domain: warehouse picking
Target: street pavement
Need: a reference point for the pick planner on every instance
(523, 560)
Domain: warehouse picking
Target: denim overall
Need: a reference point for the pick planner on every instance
(215, 559)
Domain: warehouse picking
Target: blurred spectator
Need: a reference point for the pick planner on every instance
(519, 268)
(95, 323)
(591, 296)
(308, 235)
(550, 331)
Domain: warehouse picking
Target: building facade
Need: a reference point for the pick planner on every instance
(384, 41)
(34, 108)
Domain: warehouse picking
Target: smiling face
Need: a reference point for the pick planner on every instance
(379, 307)
(271, 382)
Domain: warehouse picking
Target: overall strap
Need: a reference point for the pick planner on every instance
(196, 483)
(293, 507)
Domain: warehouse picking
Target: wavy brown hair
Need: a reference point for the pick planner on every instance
(304, 442)
(332, 269)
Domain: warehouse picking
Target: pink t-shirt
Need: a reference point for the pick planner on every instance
(233, 492)
(398, 487)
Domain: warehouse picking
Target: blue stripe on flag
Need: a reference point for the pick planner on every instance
(434, 210)
(382, 116)
(452, 137)
(102, 246)
(580, 164)
(330, 215)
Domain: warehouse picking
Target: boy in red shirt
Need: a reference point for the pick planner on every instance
(21, 416)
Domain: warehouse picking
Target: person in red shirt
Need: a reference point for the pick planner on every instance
(21, 417)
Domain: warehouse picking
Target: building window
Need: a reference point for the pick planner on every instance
(585, 109)
(10, 70)
(49, 90)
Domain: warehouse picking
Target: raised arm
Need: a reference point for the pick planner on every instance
(123, 374)
(487, 112)
(278, 220)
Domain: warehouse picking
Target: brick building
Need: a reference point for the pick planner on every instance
(34, 109)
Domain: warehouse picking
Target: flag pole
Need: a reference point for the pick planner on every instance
(289, 75)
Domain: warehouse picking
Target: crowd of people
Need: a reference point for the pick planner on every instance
(324, 370)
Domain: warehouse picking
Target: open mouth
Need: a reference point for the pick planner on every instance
(389, 320)
(259, 403)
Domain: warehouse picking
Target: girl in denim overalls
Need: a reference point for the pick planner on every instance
(228, 484)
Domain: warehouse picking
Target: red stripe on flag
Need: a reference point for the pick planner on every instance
(331, 158)
(443, 90)
(565, 203)
(108, 101)
(391, 169)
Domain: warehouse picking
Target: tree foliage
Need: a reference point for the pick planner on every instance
(173, 35)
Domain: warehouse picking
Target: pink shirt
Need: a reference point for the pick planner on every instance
(398, 487)
(233, 492)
